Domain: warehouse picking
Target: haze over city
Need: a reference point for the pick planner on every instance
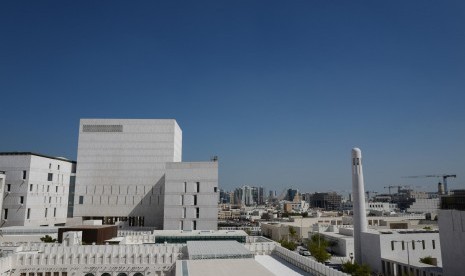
(280, 93)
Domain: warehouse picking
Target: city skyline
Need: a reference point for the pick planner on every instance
(280, 93)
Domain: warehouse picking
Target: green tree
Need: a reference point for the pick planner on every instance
(428, 260)
(355, 269)
(317, 247)
(288, 244)
(48, 239)
(292, 233)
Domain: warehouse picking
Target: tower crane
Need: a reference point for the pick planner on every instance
(444, 178)
(393, 186)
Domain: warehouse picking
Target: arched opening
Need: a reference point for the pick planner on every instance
(89, 274)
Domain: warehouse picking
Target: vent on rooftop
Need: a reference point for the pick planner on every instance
(102, 128)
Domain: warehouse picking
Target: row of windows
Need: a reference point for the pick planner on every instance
(31, 188)
(50, 166)
(194, 225)
(197, 187)
(120, 200)
(412, 246)
(45, 273)
(28, 213)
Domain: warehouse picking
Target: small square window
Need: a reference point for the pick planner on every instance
(58, 167)
(81, 199)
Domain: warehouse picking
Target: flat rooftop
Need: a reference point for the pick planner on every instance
(217, 250)
(181, 233)
(36, 154)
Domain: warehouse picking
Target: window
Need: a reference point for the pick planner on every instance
(413, 245)
(56, 189)
(215, 189)
(46, 211)
(30, 188)
(21, 199)
(58, 167)
(50, 199)
(81, 199)
(48, 188)
(181, 225)
(198, 187)
(5, 214)
(50, 177)
(392, 245)
(24, 174)
(182, 200)
(195, 199)
(434, 244)
(185, 187)
(8, 187)
(403, 245)
(423, 244)
(54, 212)
(183, 213)
(50, 165)
(194, 225)
(28, 213)
(197, 212)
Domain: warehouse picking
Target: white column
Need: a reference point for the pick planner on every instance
(358, 196)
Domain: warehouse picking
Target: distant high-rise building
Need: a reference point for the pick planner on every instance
(327, 201)
(291, 193)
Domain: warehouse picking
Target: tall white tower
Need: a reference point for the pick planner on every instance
(358, 192)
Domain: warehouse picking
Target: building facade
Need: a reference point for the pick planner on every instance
(130, 168)
(36, 189)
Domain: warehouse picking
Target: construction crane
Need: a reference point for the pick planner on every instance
(393, 186)
(444, 178)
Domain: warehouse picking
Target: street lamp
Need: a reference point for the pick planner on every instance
(408, 253)
(351, 256)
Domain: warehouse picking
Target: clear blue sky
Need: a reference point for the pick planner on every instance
(279, 90)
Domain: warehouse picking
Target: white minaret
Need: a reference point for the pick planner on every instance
(358, 197)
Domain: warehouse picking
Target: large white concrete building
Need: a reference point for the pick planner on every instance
(36, 189)
(130, 172)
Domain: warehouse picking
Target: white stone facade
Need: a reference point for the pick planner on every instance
(36, 189)
(452, 232)
(130, 172)
(191, 192)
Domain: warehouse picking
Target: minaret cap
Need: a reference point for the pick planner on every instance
(356, 153)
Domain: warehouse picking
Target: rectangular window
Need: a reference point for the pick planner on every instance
(403, 245)
(8, 187)
(181, 225)
(434, 244)
(183, 213)
(50, 165)
(21, 199)
(423, 244)
(195, 199)
(50, 200)
(30, 188)
(54, 212)
(58, 167)
(198, 187)
(48, 188)
(182, 200)
(50, 177)
(28, 213)
(197, 212)
(5, 214)
(215, 189)
(392, 245)
(194, 226)
(46, 211)
(81, 199)
(185, 187)
(413, 245)
(56, 189)
(24, 174)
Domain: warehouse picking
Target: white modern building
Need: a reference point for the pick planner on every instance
(396, 252)
(130, 172)
(36, 189)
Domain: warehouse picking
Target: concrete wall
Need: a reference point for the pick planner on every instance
(180, 190)
(121, 164)
(45, 200)
(452, 234)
